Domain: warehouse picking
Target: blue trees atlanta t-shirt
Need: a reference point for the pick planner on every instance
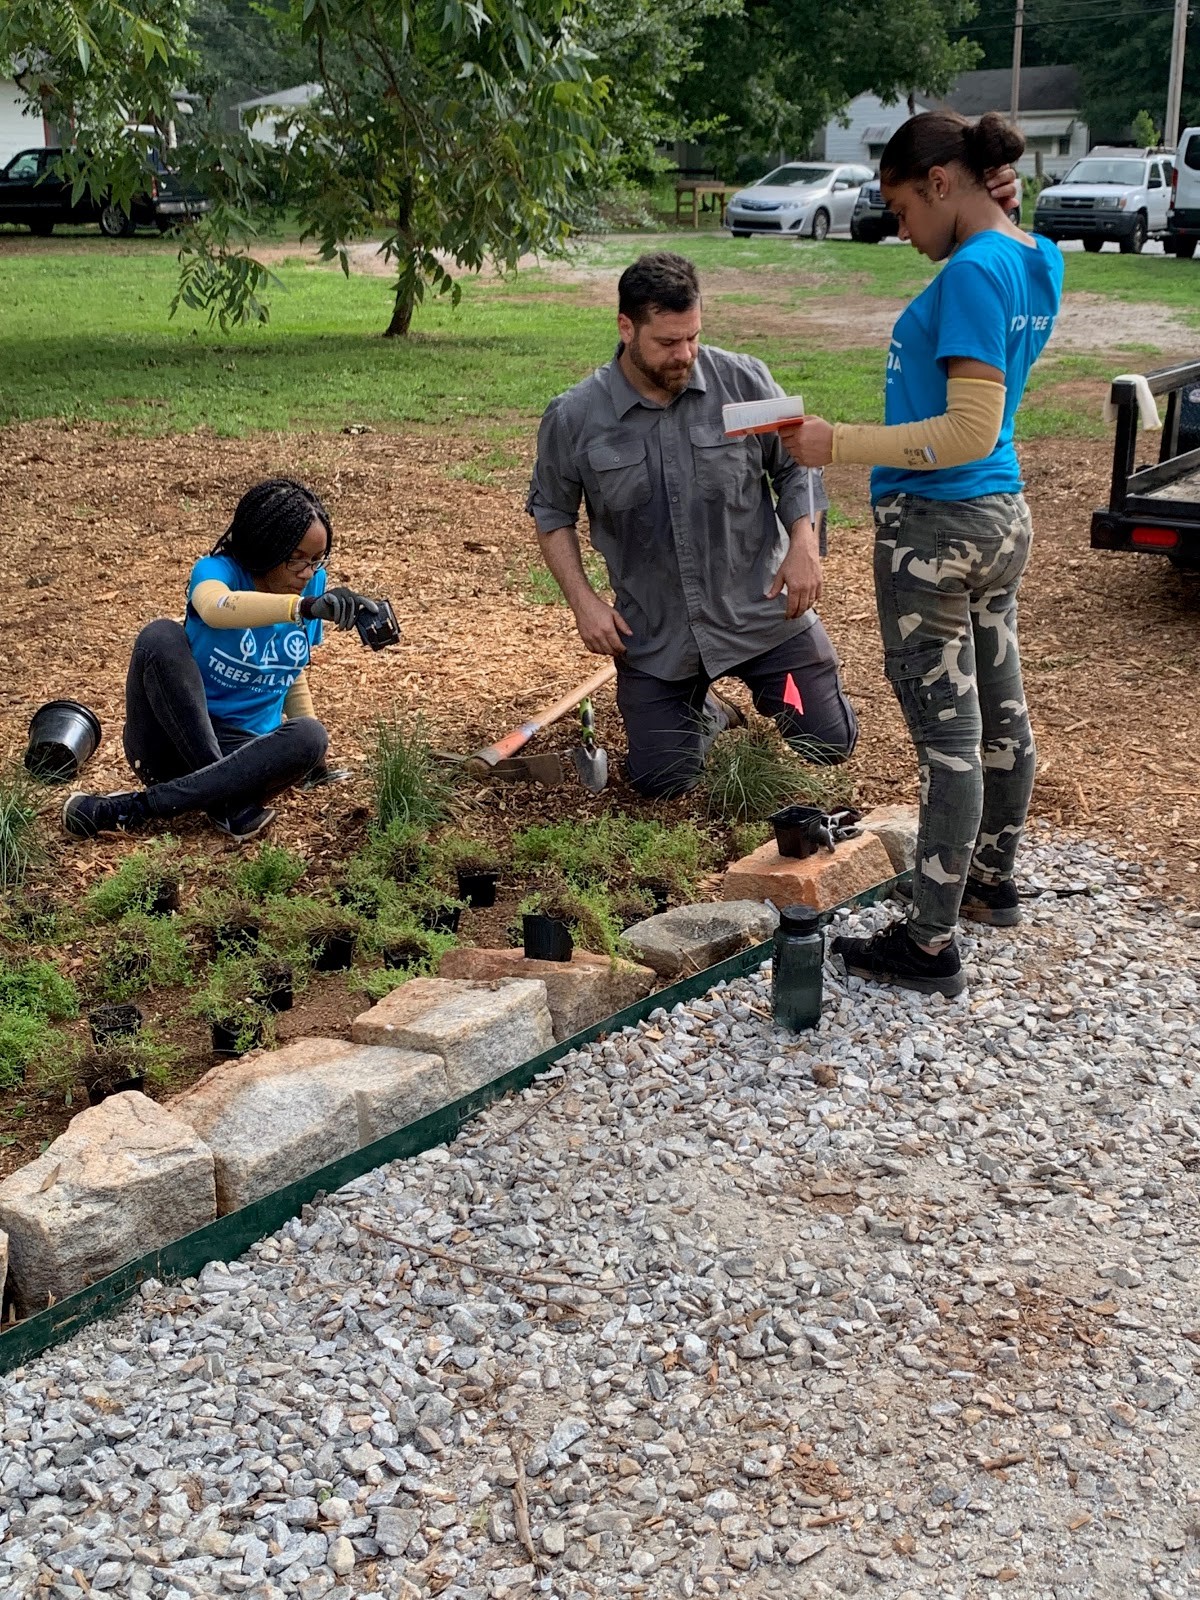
(995, 300)
(248, 673)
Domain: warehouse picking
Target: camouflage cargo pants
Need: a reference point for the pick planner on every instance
(946, 580)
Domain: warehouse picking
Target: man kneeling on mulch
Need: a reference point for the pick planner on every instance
(710, 550)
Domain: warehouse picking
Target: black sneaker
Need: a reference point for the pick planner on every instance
(892, 957)
(996, 904)
(88, 815)
(245, 824)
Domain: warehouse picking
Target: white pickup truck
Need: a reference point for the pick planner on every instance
(1111, 193)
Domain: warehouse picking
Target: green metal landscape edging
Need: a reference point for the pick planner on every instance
(229, 1236)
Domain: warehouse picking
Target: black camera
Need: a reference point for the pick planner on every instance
(380, 630)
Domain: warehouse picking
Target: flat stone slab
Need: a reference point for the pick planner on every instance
(896, 829)
(275, 1115)
(480, 1030)
(127, 1176)
(579, 992)
(686, 939)
(821, 881)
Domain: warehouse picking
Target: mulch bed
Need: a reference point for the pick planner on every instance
(100, 532)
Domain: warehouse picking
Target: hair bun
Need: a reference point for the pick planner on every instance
(992, 142)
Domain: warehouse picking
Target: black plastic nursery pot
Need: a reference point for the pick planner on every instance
(798, 830)
(332, 952)
(100, 1088)
(275, 991)
(660, 892)
(403, 953)
(444, 919)
(546, 938)
(230, 937)
(478, 887)
(165, 900)
(63, 737)
(230, 1039)
(114, 1022)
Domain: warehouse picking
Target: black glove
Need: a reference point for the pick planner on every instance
(338, 606)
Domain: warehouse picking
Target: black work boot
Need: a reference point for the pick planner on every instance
(87, 815)
(892, 957)
(996, 904)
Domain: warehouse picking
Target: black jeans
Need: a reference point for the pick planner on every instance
(189, 762)
(669, 732)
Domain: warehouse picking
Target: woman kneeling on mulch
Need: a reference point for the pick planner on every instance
(218, 713)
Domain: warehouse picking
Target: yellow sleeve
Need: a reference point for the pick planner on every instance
(299, 701)
(966, 431)
(222, 607)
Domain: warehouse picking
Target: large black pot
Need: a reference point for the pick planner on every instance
(114, 1022)
(63, 737)
(546, 938)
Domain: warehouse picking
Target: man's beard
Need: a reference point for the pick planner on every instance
(672, 378)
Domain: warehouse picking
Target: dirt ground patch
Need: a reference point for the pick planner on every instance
(100, 535)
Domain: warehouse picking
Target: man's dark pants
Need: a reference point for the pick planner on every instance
(669, 732)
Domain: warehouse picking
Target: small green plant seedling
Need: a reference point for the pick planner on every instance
(18, 824)
(411, 786)
(147, 880)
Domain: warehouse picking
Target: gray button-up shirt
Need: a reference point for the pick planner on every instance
(683, 515)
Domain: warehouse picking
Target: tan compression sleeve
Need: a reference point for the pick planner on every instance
(299, 701)
(222, 607)
(966, 431)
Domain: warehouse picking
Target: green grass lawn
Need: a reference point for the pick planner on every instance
(86, 335)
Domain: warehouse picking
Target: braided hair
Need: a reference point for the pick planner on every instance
(269, 522)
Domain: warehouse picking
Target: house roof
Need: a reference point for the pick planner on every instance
(1042, 89)
(299, 95)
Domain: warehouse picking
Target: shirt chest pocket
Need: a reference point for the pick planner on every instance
(726, 469)
(620, 474)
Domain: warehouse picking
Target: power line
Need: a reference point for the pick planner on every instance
(1050, 22)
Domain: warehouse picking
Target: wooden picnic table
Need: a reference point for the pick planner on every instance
(696, 190)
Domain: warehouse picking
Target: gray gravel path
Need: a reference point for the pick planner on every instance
(907, 1307)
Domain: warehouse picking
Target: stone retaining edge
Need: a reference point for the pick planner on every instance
(230, 1235)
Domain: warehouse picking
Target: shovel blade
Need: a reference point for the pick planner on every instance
(592, 766)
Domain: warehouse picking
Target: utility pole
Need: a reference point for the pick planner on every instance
(1175, 85)
(1014, 99)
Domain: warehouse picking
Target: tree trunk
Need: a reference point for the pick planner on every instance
(406, 282)
(402, 311)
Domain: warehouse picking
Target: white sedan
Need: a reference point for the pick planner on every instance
(803, 199)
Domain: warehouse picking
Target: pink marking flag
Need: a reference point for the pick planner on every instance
(791, 695)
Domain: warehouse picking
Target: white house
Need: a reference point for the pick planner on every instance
(263, 115)
(1055, 134)
(21, 127)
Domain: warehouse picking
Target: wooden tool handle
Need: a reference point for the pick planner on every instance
(542, 718)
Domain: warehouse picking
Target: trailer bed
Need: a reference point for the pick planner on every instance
(1186, 488)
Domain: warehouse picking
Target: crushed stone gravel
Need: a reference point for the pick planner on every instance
(903, 1307)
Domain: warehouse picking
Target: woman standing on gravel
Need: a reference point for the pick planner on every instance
(218, 713)
(952, 533)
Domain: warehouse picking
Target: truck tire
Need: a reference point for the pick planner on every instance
(42, 228)
(864, 235)
(1185, 249)
(115, 223)
(1132, 244)
(1094, 246)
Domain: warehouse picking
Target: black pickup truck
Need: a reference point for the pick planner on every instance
(34, 196)
(1155, 510)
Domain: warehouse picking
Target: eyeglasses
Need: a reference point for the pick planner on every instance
(303, 564)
